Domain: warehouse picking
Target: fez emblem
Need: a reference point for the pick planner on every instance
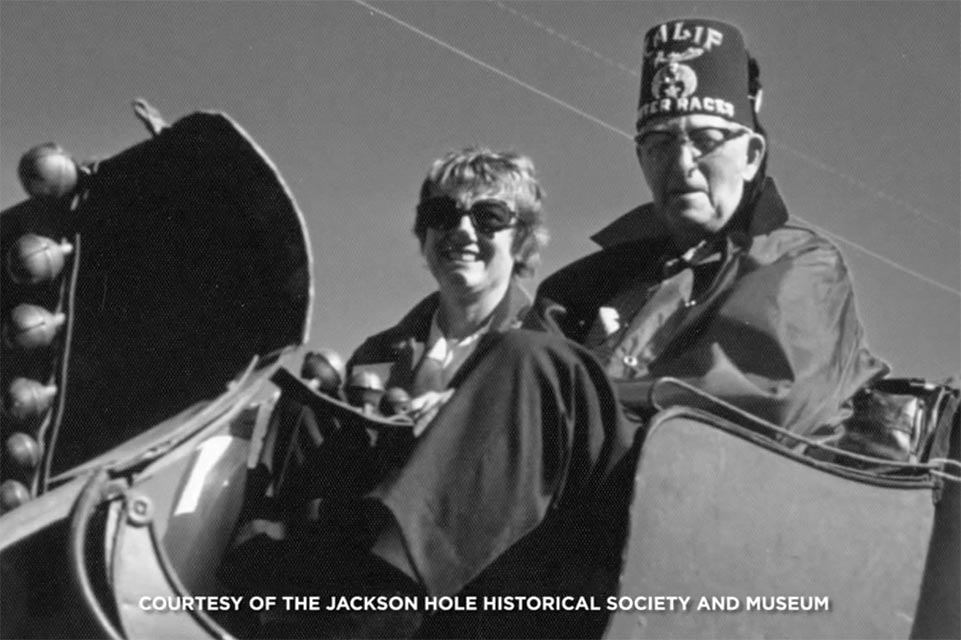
(675, 80)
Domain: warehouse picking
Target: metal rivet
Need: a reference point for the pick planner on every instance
(140, 511)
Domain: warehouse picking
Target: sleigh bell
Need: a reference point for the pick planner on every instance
(46, 171)
(28, 398)
(22, 450)
(35, 259)
(32, 327)
(326, 367)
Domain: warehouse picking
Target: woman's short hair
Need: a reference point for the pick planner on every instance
(479, 168)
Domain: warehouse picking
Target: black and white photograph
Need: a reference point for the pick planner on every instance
(480, 319)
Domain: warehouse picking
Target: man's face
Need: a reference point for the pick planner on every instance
(696, 167)
(466, 261)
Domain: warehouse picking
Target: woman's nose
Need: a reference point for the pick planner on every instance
(465, 225)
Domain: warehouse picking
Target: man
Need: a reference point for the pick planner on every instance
(711, 282)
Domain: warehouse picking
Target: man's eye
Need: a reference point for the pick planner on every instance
(706, 137)
(657, 140)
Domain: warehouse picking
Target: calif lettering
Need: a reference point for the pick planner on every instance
(706, 38)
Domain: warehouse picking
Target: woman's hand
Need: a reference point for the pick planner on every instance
(424, 408)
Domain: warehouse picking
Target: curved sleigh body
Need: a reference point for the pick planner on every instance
(189, 282)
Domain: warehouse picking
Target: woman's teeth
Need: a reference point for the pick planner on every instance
(459, 255)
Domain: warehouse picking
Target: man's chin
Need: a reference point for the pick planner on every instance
(689, 225)
(688, 214)
(691, 205)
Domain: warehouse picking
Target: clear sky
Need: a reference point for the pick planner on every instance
(352, 101)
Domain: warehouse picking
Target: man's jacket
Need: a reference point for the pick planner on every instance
(763, 318)
(393, 354)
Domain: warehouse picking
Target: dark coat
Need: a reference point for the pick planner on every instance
(394, 353)
(769, 325)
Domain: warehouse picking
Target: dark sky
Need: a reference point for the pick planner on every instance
(353, 101)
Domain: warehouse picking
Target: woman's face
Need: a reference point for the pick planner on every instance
(467, 262)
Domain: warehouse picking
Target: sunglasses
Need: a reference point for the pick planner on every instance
(487, 216)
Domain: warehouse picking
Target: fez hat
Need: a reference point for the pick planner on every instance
(698, 66)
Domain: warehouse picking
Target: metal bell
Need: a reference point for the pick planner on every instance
(327, 367)
(35, 259)
(13, 494)
(23, 450)
(364, 389)
(365, 379)
(394, 401)
(32, 326)
(46, 171)
(28, 398)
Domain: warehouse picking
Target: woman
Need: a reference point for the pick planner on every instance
(480, 226)
(506, 488)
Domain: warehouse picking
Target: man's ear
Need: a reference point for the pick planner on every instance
(756, 148)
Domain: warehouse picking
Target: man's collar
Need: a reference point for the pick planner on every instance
(768, 213)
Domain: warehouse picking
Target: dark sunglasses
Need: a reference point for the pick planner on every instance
(487, 216)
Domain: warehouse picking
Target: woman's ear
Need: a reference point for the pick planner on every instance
(756, 148)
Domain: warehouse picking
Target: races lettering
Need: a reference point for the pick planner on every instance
(684, 105)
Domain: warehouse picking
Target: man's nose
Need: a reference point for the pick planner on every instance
(684, 157)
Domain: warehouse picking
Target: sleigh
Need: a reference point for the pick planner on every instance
(163, 384)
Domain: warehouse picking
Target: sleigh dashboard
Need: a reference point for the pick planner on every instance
(764, 541)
